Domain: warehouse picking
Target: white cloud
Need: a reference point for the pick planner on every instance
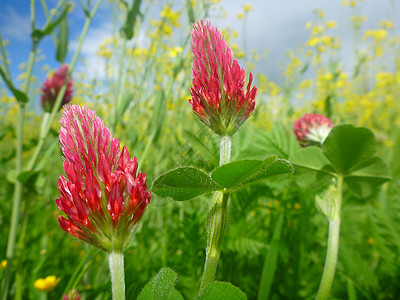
(15, 26)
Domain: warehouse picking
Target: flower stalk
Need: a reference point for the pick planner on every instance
(216, 221)
(333, 244)
(116, 265)
(18, 185)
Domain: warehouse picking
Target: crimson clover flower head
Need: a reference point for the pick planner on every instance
(52, 86)
(102, 194)
(220, 97)
(312, 129)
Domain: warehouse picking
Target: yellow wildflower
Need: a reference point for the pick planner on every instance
(319, 12)
(358, 20)
(46, 284)
(321, 48)
(175, 51)
(313, 41)
(387, 24)
(326, 40)
(167, 29)
(378, 34)
(4, 264)
(331, 24)
(384, 78)
(353, 3)
(172, 16)
(239, 16)
(378, 50)
(247, 7)
(328, 76)
(318, 29)
(308, 24)
(274, 89)
(240, 54)
(305, 84)
(297, 206)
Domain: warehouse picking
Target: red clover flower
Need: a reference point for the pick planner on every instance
(101, 194)
(52, 86)
(219, 97)
(312, 129)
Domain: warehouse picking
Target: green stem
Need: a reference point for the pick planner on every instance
(225, 150)
(50, 17)
(116, 264)
(333, 246)
(216, 221)
(120, 82)
(18, 168)
(4, 57)
(16, 206)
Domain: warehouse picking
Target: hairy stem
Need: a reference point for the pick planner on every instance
(116, 264)
(333, 246)
(216, 221)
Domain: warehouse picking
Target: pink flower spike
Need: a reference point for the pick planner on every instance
(101, 195)
(312, 129)
(220, 97)
(52, 86)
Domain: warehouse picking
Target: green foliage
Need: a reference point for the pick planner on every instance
(221, 290)
(161, 286)
(155, 122)
(348, 151)
(62, 41)
(132, 14)
(271, 259)
(49, 27)
(239, 173)
(19, 95)
(184, 183)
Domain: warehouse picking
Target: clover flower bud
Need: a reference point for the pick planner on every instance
(52, 86)
(220, 97)
(312, 129)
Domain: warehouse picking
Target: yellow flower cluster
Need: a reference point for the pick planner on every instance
(378, 34)
(164, 26)
(358, 21)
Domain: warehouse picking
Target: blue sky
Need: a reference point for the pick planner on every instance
(273, 25)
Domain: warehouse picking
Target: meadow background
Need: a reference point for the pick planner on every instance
(337, 58)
